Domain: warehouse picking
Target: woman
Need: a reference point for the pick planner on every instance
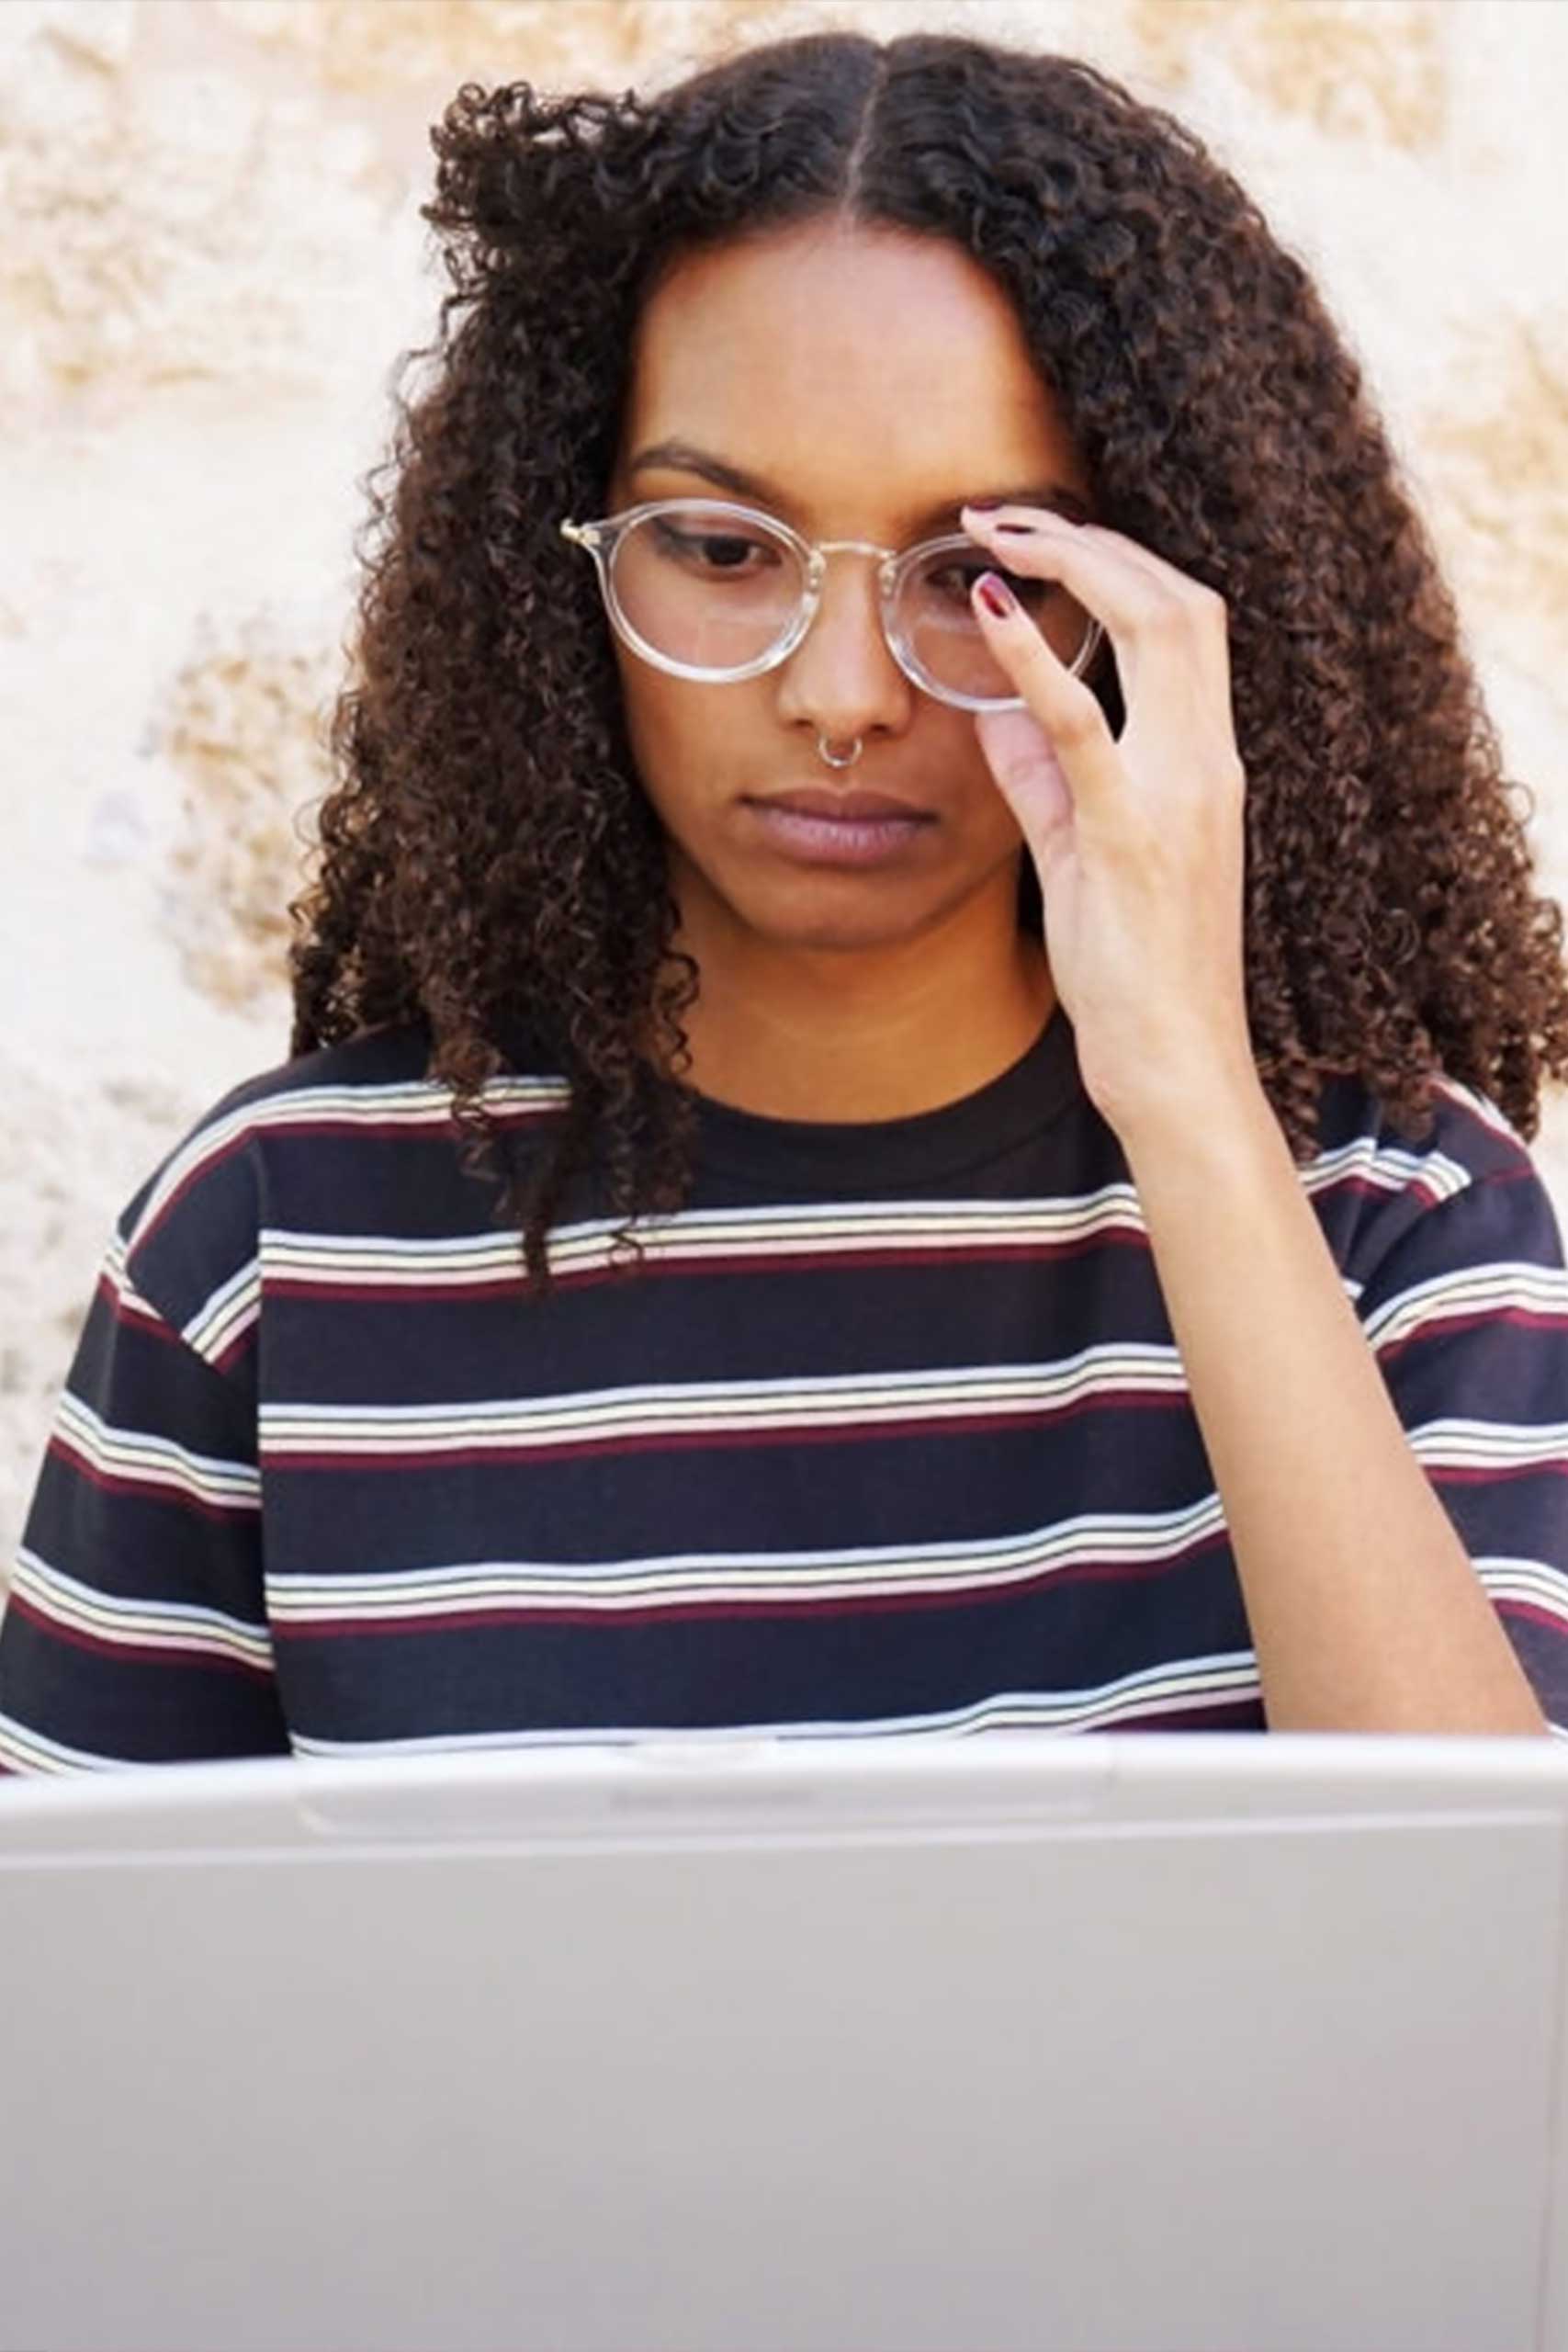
(1016, 1106)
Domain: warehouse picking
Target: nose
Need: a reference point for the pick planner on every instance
(843, 676)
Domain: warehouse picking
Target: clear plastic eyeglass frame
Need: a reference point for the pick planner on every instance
(599, 537)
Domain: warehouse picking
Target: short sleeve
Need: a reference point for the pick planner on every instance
(135, 1628)
(1467, 1319)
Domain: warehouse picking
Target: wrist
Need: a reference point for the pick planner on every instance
(1197, 1113)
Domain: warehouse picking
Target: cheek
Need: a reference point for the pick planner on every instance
(668, 732)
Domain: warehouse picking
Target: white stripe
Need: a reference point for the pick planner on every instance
(786, 1229)
(1532, 1582)
(1172, 1689)
(215, 1326)
(137, 1624)
(412, 1104)
(233, 1309)
(1459, 1444)
(432, 1263)
(1485, 1109)
(30, 1751)
(154, 1461)
(707, 1407)
(1470, 1290)
(861, 1573)
(773, 1233)
(131, 1299)
(1385, 1168)
(423, 1102)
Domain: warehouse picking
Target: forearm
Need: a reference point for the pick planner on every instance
(1365, 1610)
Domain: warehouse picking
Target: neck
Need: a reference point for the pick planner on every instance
(792, 1033)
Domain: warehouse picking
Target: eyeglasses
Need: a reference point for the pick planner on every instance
(705, 589)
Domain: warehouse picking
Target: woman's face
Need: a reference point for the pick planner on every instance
(863, 384)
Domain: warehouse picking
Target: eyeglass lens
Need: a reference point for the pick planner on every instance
(715, 592)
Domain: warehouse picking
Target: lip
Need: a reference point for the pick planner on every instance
(817, 800)
(820, 828)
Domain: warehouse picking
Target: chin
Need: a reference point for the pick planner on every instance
(881, 920)
(844, 938)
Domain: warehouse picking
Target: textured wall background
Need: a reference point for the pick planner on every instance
(212, 260)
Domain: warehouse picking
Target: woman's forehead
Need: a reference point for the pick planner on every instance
(800, 358)
(832, 296)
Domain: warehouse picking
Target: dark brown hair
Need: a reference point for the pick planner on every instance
(491, 865)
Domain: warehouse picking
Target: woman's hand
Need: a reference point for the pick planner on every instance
(1138, 840)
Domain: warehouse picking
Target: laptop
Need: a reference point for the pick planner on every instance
(1011, 2043)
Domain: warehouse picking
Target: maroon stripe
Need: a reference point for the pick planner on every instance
(334, 1123)
(1214, 1713)
(1433, 1194)
(1555, 1465)
(203, 1167)
(115, 1482)
(228, 1357)
(1524, 1318)
(1531, 1610)
(137, 1318)
(152, 1324)
(1360, 1187)
(155, 1653)
(762, 1261)
(375, 1291)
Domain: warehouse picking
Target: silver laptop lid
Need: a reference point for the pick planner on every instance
(1119, 2044)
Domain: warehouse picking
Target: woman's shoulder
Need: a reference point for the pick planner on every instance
(1385, 1190)
(191, 1233)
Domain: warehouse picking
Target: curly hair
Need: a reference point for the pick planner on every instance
(491, 866)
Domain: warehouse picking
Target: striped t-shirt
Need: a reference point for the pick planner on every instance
(888, 1434)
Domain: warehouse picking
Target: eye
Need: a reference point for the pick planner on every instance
(951, 578)
(954, 576)
(713, 553)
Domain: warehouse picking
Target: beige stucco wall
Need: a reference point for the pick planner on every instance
(212, 259)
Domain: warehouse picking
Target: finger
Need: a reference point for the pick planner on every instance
(1067, 710)
(1047, 522)
(1131, 600)
(1024, 522)
(1164, 615)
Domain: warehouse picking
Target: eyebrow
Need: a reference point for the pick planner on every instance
(684, 456)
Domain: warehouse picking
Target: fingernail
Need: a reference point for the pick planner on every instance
(996, 596)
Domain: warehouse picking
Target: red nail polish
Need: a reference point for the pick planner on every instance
(996, 596)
